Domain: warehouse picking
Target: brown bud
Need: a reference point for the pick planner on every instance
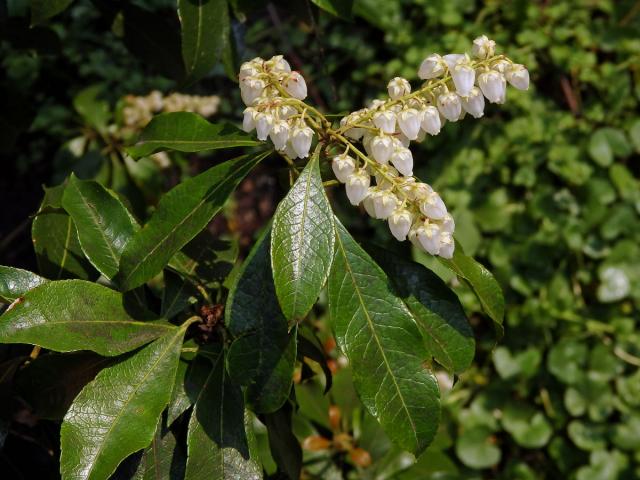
(335, 415)
(315, 443)
(342, 442)
(329, 345)
(360, 457)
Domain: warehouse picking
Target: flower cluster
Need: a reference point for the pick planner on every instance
(456, 85)
(138, 110)
(267, 88)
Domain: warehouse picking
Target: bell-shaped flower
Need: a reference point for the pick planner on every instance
(249, 119)
(447, 245)
(433, 206)
(264, 124)
(450, 106)
(385, 121)
(279, 134)
(248, 69)
(448, 224)
(431, 67)
(367, 203)
(518, 76)
(384, 204)
(398, 87)
(400, 222)
(463, 78)
(357, 186)
(483, 47)
(295, 86)
(250, 89)
(385, 176)
(343, 166)
(409, 122)
(493, 86)
(452, 59)
(429, 237)
(473, 104)
(431, 122)
(402, 159)
(278, 64)
(381, 148)
(301, 140)
(286, 111)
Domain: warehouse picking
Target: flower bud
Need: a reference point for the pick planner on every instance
(398, 87)
(431, 122)
(381, 148)
(449, 106)
(384, 204)
(433, 206)
(493, 86)
(448, 224)
(431, 67)
(402, 159)
(264, 123)
(301, 140)
(409, 123)
(295, 86)
(357, 185)
(250, 89)
(343, 166)
(483, 47)
(249, 119)
(385, 121)
(429, 238)
(473, 104)
(279, 134)
(447, 245)
(400, 222)
(463, 78)
(518, 76)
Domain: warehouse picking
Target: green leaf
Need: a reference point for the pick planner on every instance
(339, 8)
(181, 214)
(530, 429)
(93, 110)
(55, 240)
(42, 10)
(263, 353)
(216, 440)
(475, 448)
(15, 282)
(634, 134)
(302, 242)
(205, 28)
(435, 309)
(187, 132)
(377, 333)
(483, 284)
(600, 150)
(117, 413)
(180, 401)
(176, 294)
(163, 459)
(283, 444)
(103, 224)
(71, 315)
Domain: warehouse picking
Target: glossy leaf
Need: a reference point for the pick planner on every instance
(483, 284)
(187, 132)
(216, 440)
(55, 240)
(263, 353)
(116, 414)
(180, 401)
(42, 10)
(377, 333)
(163, 458)
(302, 242)
(181, 214)
(435, 309)
(71, 315)
(176, 294)
(283, 444)
(103, 223)
(15, 282)
(205, 28)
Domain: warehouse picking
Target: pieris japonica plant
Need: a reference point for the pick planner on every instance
(192, 352)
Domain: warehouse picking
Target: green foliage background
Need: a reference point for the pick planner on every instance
(544, 190)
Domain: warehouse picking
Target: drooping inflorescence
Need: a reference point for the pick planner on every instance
(455, 85)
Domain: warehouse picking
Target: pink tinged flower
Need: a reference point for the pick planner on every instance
(447, 245)
(431, 67)
(385, 121)
(400, 223)
(357, 186)
(279, 134)
(409, 123)
(493, 86)
(249, 119)
(264, 124)
(381, 148)
(463, 78)
(295, 86)
(450, 106)
(473, 104)
(433, 206)
(431, 122)
(343, 166)
(429, 238)
(301, 140)
(402, 159)
(518, 76)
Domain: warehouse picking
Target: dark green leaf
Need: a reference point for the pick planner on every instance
(117, 413)
(163, 459)
(103, 224)
(205, 28)
(339, 8)
(181, 214)
(302, 242)
(284, 446)
(187, 132)
(71, 315)
(55, 240)
(435, 309)
(175, 295)
(180, 401)
(483, 284)
(376, 332)
(306, 348)
(217, 441)
(15, 282)
(263, 353)
(42, 10)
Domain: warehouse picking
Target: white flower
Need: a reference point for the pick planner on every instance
(402, 159)
(385, 121)
(473, 104)
(416, 191)
(295, 86)
(448, 224)
(409, 123)
(248, 69)
(501, 66)
(399, 223)
(279, 64)
(453, 59)
(449, 106)
(429, 237)
(431, 122)
(483, 47)
(384, 203)
(404, 141)
(301, 140)
(518, 76)
(398, 87)
(289, 151)
(493, 86)
(381, 148)
(367, 203)
(285, 111)
(279, 134)
(343, 166)
(249, 119)
(447, 245)
(433, 206)
(431, 67)
(383, 176)
(250, 89)
(264, 123)
(357, 185)
(463, 78)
